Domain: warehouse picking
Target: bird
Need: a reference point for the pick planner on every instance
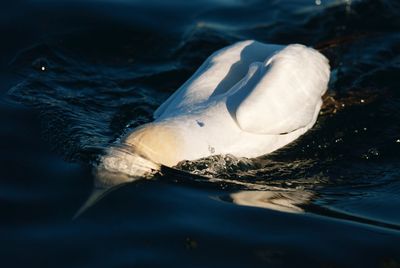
(247, 100)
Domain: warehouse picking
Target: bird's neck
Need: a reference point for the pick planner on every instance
(157, 142)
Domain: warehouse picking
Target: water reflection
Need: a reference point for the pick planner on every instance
(285, 201)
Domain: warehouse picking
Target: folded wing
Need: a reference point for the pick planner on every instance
(222, 70)
(282, 94)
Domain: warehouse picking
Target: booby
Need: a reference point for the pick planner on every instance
(248, 99)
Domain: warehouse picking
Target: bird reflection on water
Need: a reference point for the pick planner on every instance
(285, 201)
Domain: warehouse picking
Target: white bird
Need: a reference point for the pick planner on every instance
(247, 100)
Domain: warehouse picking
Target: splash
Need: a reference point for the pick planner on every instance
(121, 164)
(217, 165)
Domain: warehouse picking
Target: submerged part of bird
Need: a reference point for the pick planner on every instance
(247, 100)
(122, 164)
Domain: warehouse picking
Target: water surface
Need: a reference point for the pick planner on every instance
(76, 76)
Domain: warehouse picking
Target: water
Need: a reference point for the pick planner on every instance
(76, 76)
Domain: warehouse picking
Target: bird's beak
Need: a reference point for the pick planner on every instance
(119, 166)
(96, 195)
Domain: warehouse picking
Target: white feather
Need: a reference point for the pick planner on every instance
(247, 100)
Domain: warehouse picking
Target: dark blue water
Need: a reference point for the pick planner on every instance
(77, 74)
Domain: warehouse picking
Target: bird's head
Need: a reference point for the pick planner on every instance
(139, 155)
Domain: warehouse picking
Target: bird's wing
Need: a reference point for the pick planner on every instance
(282, 94)
(223, 69)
